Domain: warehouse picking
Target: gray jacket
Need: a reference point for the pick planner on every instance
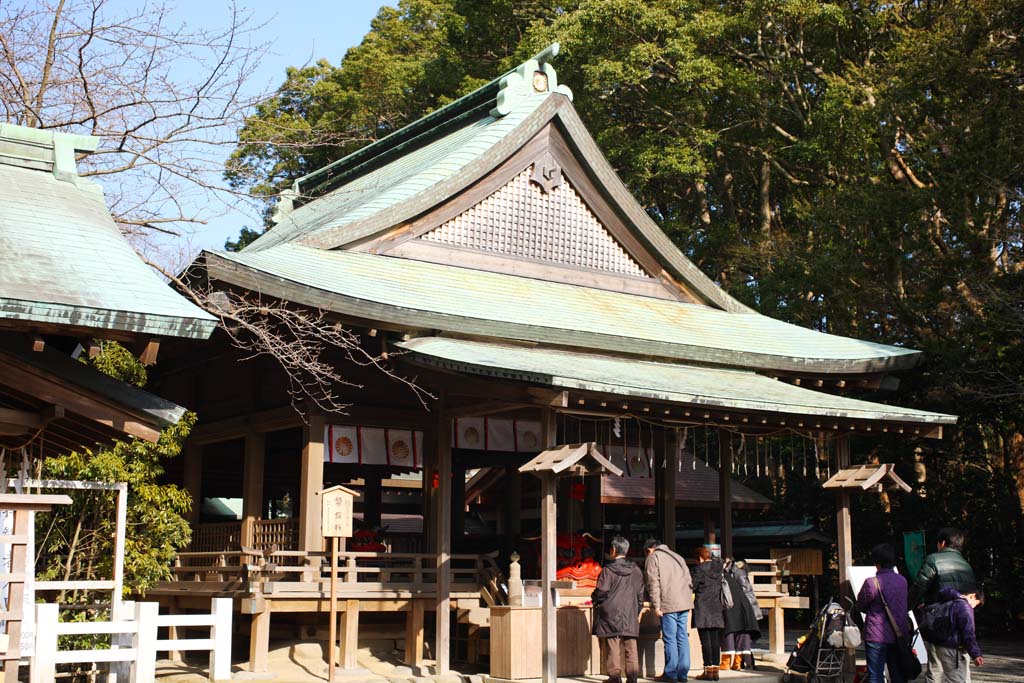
(668, 581)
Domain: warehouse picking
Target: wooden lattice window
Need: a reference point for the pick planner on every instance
(521, 219)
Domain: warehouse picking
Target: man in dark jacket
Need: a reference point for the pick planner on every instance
(962, 640)
(946, 568)
(617, 600)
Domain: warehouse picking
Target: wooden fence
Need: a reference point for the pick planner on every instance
(140, 635)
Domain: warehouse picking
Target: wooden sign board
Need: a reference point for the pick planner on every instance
(336, 512)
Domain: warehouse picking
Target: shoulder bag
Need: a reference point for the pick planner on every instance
(907, 660)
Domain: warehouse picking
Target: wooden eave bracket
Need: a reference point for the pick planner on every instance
(577, 459)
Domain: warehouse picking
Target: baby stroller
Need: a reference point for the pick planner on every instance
(819, 653)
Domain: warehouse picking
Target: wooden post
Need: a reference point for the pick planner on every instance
(372, 499)
(220, 634)
(311, 481)
(350, 634)
(709, 527)
(144, 641)
(259, 641)
(776, 629)
(414, 633)
(670, 460)
(845, 540)
(332, 637)
(458, 507)
(443, 531)
(549, 556)
(193, 479)
(725, 491)
(252, 485)
(44, 665)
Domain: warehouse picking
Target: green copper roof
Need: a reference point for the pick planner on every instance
(666, 382)
(421, 295)
(423, 166)
(62, 258)
(155, 410)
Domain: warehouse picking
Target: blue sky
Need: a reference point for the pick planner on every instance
(297, 32)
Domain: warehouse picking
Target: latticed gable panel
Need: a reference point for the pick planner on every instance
(521, 219)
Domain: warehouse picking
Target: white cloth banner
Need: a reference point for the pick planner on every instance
(350, 445)
(496, 434)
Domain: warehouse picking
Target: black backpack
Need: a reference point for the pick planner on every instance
(937, 623)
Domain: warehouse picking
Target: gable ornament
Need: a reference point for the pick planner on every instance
(547, 173)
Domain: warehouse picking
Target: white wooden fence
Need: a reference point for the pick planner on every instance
(141, 632)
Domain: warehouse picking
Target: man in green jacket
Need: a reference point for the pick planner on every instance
(946, 568)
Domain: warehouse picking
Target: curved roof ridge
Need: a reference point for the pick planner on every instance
(488, 98)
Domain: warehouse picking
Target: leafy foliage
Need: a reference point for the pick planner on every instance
(76, 542)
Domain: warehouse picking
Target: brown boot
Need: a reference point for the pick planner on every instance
(726, 661)
(737, 662)
(714, 673)
(706, 676)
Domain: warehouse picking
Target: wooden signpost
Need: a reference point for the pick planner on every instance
(335, 523)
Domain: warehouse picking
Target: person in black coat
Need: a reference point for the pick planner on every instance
(617, 600)
(707, 611)
(741, 627)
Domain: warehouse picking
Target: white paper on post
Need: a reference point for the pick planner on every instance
(858, 575)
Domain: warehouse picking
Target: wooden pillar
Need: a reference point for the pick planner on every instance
(311, 482)
(725, 492)
(549, 556)
(593, 515)
(709, 527)
(667, 484)
(372, 500)
(458, 506)
(443, 531)
(845, 540)
(252, 485)
(193, 478)
(429, 502)
(259, 641)
(414, 633)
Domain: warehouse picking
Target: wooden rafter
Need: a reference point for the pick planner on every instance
(577, 459)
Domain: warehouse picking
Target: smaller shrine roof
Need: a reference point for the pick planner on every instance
(865, 477)
(63, 260)
(680, 383)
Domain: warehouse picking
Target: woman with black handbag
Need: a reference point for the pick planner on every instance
(887, 633)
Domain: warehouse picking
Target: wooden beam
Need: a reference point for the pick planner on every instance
(252, 485)
(725, 492)
(549, 555)
(147, 350)
(670, 461)
(57, 391)
(193, 478)
(311, 482)
(443, 530)
(845, 539)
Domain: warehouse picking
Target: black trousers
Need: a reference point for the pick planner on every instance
(711, 645)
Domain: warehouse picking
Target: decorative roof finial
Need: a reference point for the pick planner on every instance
(535, 75)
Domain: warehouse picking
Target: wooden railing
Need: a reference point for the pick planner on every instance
(215, 537)
(283, 533)
(284, 573)
(766, 576)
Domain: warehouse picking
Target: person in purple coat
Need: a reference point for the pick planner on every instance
(879, 637)
(962, 638)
